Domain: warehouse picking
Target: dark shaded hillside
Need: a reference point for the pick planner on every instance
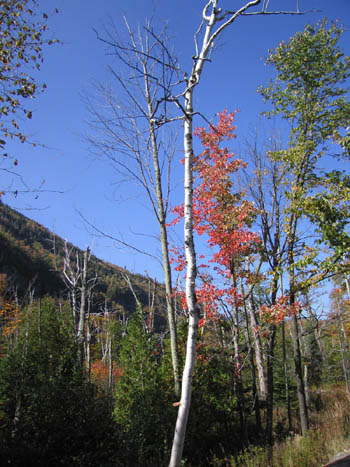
(31, 255)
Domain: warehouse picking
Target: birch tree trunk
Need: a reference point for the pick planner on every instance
(110, 361)
(191, 268)
(191, 300)
(214, 22)
(80, 287)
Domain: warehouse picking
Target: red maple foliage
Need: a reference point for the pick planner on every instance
(220, 213)
(277, 312)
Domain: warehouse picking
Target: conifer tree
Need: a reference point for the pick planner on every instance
(143, 408)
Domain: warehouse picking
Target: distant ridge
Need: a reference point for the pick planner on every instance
(32, 256)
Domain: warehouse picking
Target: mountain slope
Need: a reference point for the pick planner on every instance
(32, 256)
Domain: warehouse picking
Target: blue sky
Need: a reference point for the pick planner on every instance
(87, 183)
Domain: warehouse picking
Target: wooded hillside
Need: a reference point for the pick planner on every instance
(32, 258)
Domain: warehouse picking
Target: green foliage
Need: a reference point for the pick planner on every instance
(143, 400)
(310, 89)
(49, 414)
(22, 28)
(279, 376)
(333, 371)
(329, 210)
(213, 416)
(311, 92)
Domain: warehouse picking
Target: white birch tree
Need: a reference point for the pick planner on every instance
(213, 23)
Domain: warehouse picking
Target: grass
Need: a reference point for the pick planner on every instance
(328, 435)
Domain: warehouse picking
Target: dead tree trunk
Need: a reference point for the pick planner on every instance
(80, 288)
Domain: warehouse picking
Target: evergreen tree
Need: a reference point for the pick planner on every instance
(49, 414)
(143, 400)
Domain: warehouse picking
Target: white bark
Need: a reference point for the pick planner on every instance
(186, 392)
(192, 307)
(80, 288)
(215, 21)
(193, 311)
(71, 278)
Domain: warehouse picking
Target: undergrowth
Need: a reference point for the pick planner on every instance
(328, 435)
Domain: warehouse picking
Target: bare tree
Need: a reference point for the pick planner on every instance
(80, 286)
(267, 192)
(129, 130)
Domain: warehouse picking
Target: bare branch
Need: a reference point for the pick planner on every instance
(119, 241)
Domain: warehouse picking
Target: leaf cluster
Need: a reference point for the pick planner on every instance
(311, 86)
(22, 36)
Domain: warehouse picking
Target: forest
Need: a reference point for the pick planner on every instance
(241, 356)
